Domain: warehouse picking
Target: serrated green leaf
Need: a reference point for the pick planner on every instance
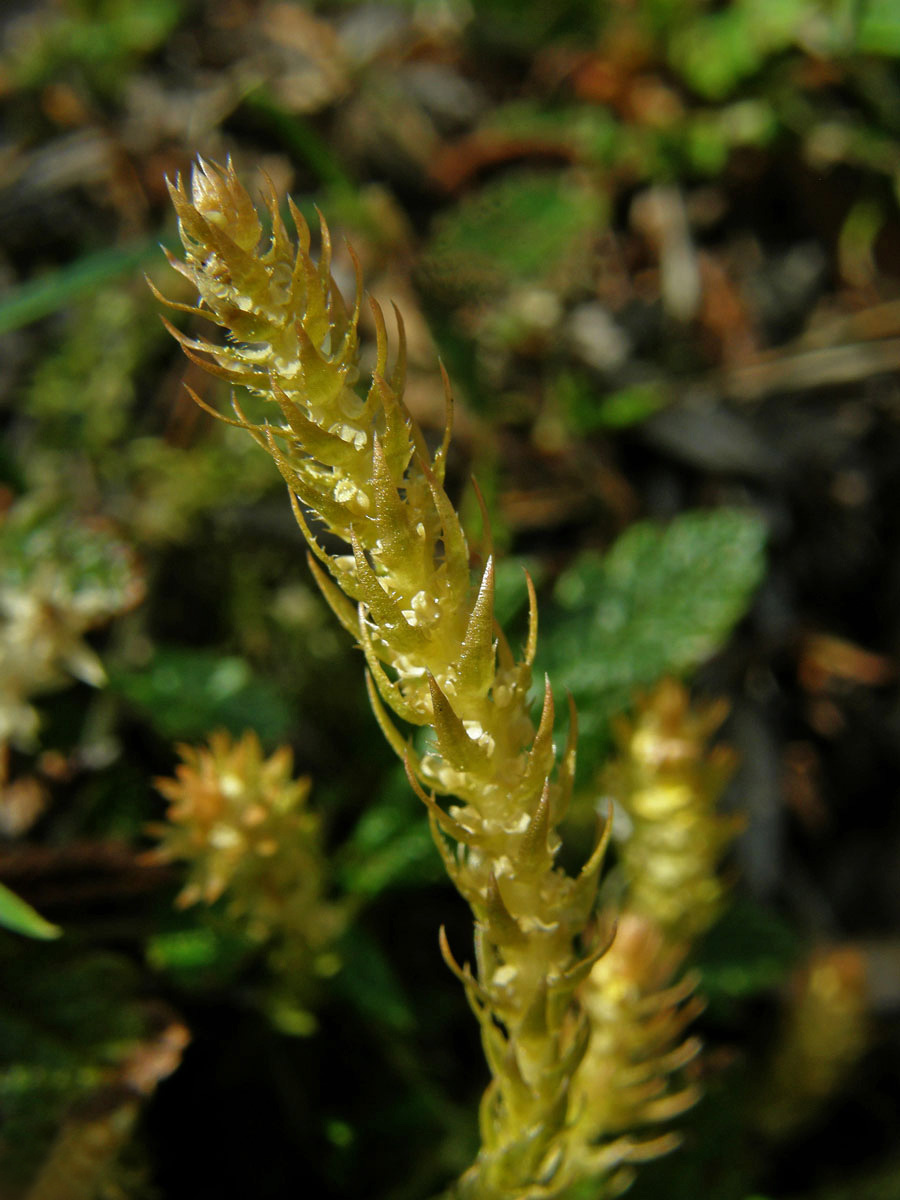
(660, 602)
(20, 917)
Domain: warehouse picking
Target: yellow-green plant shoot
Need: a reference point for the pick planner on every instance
(494, 785)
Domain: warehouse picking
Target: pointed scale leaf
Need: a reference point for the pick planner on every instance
(325, 255)
(531, 644)
(499, 924)
(593, 864)
(533, 1024)
(451, 864)
(208, 408)
(396, 440)
(391, 515)
(476, 659)
(314, 441)
(323, 379)
(577, 973)
(487, 536)
(301, 226)
(566, 779)
(280, 244)
(398, 375)
(332, 513)
(456, 551)
(245, 273)
(534, 850)
(383, 608)
(584, 888)
(439, 465)
(476, 995)
(192, 310)
(455, 745)
(540, 756)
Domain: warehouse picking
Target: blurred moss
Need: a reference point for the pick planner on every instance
(83, 393)
(52, 291)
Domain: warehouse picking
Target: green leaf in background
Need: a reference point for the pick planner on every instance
(661, 601)
(524, 228)
(20, 917)
(187, 693)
